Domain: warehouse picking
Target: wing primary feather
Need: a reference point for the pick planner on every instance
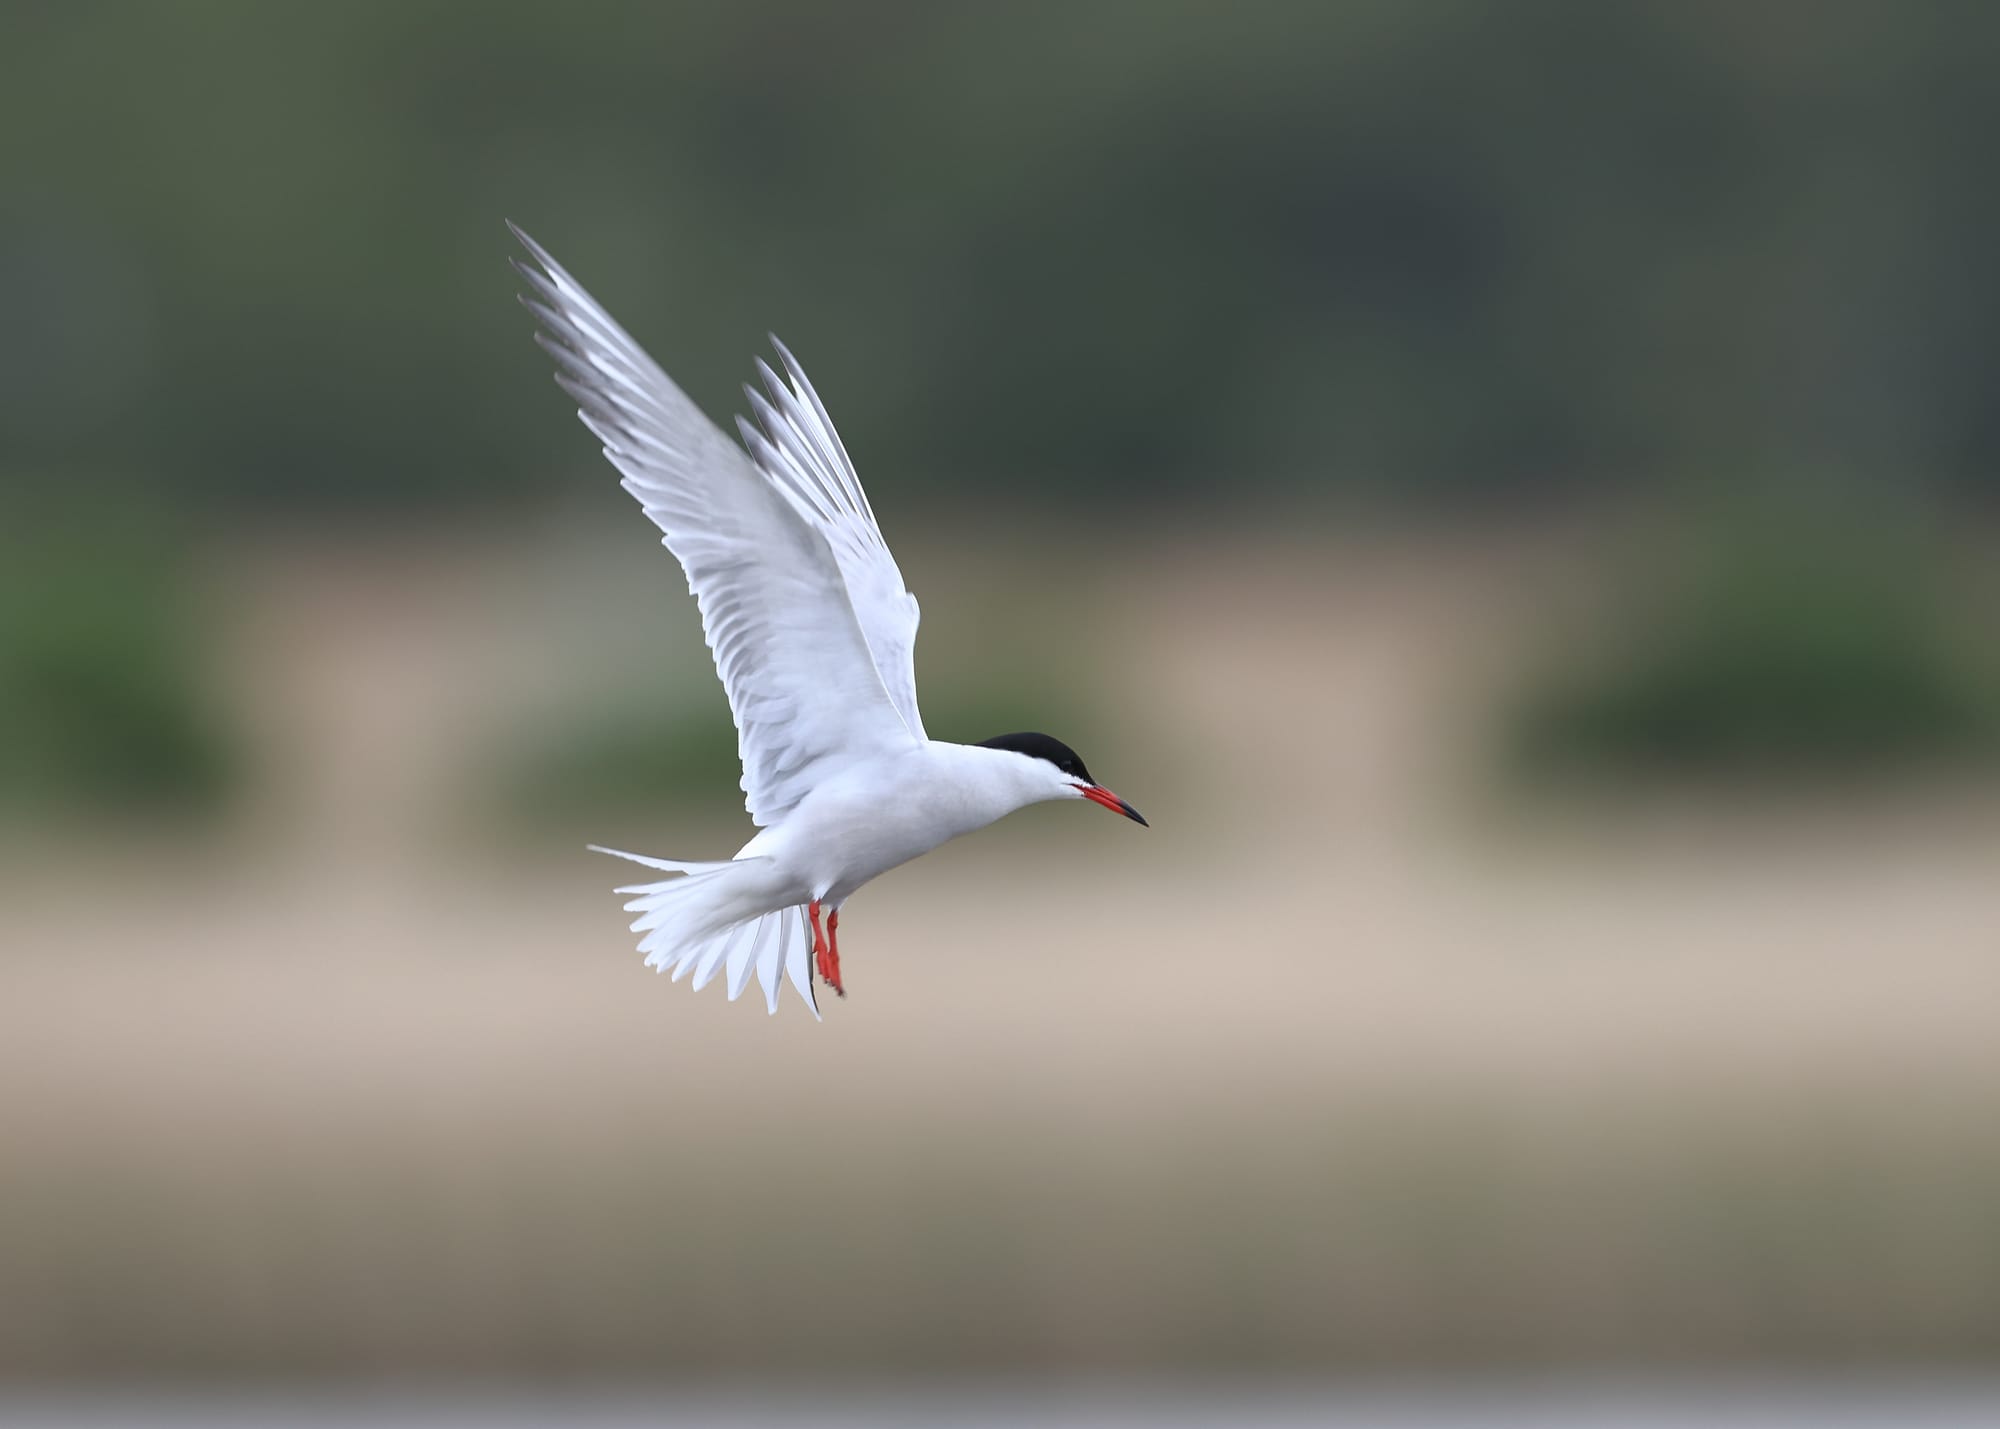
(783, 471)
(581, 365)
(578, 313)
(805, 390)
(786, 424)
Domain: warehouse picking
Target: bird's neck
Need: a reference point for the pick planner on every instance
(988, 783)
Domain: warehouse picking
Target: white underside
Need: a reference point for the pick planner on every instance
(748, 915)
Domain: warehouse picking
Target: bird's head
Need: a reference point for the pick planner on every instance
(1053, 771)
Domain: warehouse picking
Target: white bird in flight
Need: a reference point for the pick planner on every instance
(813, 635)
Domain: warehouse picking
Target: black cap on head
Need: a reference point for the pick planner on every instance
(1042, 746)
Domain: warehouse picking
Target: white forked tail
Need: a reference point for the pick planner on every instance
(717, 917)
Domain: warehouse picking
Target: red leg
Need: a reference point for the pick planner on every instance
(833, 952)
(819, 941)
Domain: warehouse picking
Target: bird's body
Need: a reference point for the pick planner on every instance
(837, 839)
(813, 635)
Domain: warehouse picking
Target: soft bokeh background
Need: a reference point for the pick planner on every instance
(1509, 491)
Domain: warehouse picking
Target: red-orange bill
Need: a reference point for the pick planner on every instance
(1098, 794)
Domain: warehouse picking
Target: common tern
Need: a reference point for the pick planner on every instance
(813, 634)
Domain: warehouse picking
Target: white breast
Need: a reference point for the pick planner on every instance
(879, 815)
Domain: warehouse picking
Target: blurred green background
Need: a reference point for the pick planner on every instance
(1509, 491)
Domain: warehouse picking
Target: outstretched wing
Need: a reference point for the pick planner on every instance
(761, 544)
(798, 448)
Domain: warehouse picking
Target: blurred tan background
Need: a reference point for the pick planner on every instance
(1510, 499)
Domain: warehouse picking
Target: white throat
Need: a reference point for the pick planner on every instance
(985, 784)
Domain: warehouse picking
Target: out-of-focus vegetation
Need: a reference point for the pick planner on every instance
(101, 680)
(1301, 1079)
(1064, 261)
(1784, 642)
(1091, 250)
(1115, 305)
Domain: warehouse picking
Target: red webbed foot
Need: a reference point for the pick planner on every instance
(832, 970)
(826, 951)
